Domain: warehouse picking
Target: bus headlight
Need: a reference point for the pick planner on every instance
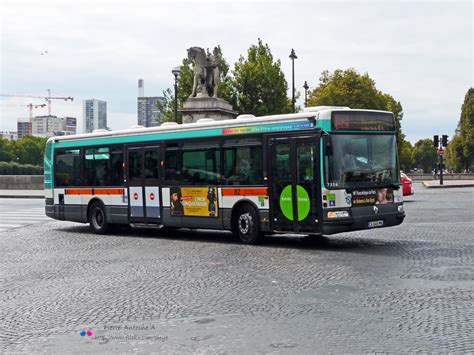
(338, 214)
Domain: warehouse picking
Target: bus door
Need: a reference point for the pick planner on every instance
(295, 184)
(143, 167)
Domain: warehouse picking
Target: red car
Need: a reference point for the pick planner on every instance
(406, 185)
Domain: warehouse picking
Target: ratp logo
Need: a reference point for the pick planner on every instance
(85, 332)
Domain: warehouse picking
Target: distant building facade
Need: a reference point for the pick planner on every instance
(48, 126)
(71, 125)
(23, 127)
(148, 114)
(9, 135)
(94, 115)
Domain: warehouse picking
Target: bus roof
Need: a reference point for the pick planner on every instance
(319, 113)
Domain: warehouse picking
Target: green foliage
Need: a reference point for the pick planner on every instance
(466, 128)
(424, 155)
(6, 153)
(349, 88)
(166, 107)
(454, 154)
(259, 86)
(405, 157)
(12, 168)
(26, 150)
(30, 150)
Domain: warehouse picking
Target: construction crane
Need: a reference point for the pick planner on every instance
(30, 125)
(31, 106)
(47, 98)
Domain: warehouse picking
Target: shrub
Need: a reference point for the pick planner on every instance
(12, 168)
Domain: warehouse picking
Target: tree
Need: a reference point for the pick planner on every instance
(29, 150)
(166, 107)
(405, 157)
(454, 154)
(5, 150)
(258, 85)
(349, 88)
(424, 154)
(466, 128)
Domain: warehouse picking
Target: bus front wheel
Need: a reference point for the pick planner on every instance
(98, 218)
(245, 225)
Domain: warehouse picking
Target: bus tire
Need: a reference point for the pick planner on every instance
(246, 226)
(98, 218)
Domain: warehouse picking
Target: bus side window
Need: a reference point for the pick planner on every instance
(243, 165)
(151, 168)
(67, 169)
(97, 170)
(134, 166)
(201, 167)
(116, 166)
(172, 167)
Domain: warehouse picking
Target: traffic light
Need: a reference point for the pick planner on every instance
(436, 141)
(444, 140)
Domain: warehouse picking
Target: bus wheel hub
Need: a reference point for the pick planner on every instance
(244, 223)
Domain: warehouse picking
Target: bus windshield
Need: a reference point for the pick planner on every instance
(356, 161)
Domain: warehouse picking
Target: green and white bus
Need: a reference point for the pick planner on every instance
(322, 171)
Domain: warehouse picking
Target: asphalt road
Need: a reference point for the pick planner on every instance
(407, 288)
(19, 212)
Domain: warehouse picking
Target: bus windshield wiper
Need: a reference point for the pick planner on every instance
(359, 185)
(391, 184)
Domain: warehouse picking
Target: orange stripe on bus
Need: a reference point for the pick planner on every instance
(78, 191)
(245, 191)
(100, 191)
(108, 191)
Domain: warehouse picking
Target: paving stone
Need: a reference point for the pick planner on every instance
(403, 289)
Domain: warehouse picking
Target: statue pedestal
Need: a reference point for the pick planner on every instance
(195, 108)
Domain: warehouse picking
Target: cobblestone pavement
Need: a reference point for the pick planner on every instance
(408, 288)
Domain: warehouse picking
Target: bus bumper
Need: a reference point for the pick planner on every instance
(365, 218)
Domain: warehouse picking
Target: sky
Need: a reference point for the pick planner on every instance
(419, 52)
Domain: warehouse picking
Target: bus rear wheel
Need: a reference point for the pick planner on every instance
(98, 218)
(246, 226)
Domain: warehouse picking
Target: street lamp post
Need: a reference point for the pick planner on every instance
(176, 71)
(305, 87)
(293, 57)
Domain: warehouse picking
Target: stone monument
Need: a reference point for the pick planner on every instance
(203, 102)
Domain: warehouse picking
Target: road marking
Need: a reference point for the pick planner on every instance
(13, 214)
(20, 216)
(11, 225)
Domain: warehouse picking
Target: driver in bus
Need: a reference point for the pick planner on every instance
(349, 160)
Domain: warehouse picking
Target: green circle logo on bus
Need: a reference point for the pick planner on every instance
(286, 202)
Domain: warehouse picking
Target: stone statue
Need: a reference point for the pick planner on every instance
(205, 73)
(215, 61)
(203, 101)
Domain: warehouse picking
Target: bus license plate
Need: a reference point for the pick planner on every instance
(375, 224)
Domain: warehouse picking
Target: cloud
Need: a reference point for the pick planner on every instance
(420, 52)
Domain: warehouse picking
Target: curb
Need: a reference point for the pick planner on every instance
(445, 186)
